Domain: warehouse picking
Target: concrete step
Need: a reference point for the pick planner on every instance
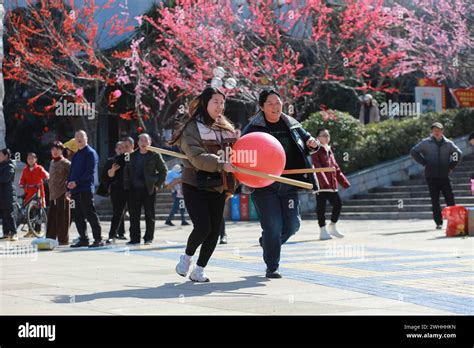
(422, 181)
(390, 209)
(392, 201)
(107, 205)
(108, 217)
(387, 195)
(417, 188)
(377, 216)
(157, 211)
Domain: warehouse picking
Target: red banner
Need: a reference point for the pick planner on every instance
(464, 97)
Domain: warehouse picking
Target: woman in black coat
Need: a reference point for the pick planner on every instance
(7, 195)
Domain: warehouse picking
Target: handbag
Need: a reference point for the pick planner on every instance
(207, 180)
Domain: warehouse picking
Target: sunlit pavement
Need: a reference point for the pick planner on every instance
(380, 267)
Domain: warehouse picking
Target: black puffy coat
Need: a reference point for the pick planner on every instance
(7, 188)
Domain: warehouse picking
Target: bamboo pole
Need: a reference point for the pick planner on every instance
(283, 180)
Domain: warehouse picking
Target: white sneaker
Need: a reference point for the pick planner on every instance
(323, 234)
(182, 268)
(333, 230)
(198, 275)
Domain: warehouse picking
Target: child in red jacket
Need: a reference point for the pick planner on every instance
(328, 185)
(32, 179)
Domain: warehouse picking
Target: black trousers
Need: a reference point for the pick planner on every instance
(335, 200)
(437, 185)
(139, 197)
(222, 229)
(206, 211)
(59, 220)
(83, 208)
(8, 221)
(119, 198)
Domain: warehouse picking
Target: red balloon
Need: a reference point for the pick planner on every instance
(261, 152)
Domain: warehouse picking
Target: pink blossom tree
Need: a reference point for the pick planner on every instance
(54, 50)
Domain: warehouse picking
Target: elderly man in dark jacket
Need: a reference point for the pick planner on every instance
(7, 195)
(80, 184)
(439, 156)
(145, 172)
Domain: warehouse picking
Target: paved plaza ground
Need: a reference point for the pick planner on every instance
(381, 267)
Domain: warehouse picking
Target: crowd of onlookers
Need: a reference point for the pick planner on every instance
(131, 178)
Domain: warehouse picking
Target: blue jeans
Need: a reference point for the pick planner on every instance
(278, 209)
(174, 209)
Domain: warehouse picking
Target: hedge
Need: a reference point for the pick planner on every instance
(357, 146)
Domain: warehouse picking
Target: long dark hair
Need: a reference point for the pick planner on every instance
(198, 108)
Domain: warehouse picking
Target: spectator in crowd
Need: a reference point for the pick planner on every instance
(369, 110)
(144, 174)
(80, 184)
(59, 212)
(112, 177)
(31, 181)
(439, 156)
(328, 186)
(71, 148)
(471, 142)
(7, 195)
(173, 182)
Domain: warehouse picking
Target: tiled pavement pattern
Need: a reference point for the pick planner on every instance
(380, 267)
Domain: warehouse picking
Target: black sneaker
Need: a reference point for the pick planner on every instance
(169, 223)
(96, 244)
(185, 223)
(109, 241)
(121, 237)
(148, 242)
(80, 243)
(273, 274)
(439, 227)
(223, 240)
(133, 243)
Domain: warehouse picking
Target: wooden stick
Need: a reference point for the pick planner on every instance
(309, 170)
(167, 152)
(283, 180)
(288, 171)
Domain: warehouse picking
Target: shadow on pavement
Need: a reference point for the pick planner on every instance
(407, 232)
(171, 290)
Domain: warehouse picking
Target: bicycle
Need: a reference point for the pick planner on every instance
(31, 213)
